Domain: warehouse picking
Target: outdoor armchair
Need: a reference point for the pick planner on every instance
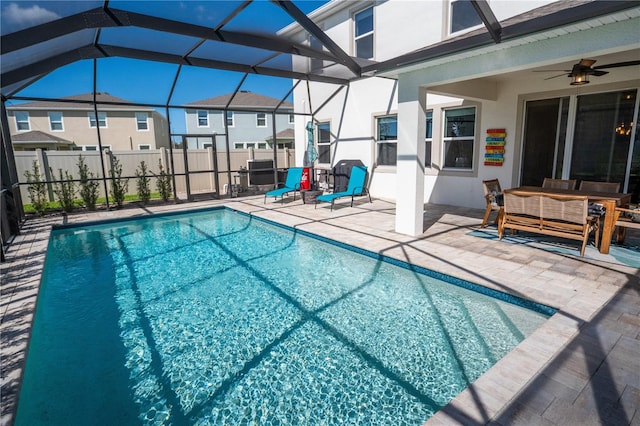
(356, 187)
(291, 184)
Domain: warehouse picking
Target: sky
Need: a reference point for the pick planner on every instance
(145, 81)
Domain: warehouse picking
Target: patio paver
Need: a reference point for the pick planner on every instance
(581, 367)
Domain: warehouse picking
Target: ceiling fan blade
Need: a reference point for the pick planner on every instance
(555, 76)
(551, 70)
(586, 62)
(617, 65)
(599, 73)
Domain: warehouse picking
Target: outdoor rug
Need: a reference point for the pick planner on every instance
(626, 254)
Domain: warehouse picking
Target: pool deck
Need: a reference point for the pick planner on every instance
(582, 367)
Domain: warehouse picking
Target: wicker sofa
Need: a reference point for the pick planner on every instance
(563, 216)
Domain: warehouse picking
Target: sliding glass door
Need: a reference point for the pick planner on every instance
(599, 147)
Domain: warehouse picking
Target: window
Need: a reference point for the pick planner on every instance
(106, 147)
(22, 121)
(203, 118)
(238, 145)
(102, 119)
(315, 64)
(292, 118)
(324, 143)
(90, 147)
(230, 118)
(428, 139)
(459, 135)
(251, 145)
(463, 16)
(142, 121)
(144, 147)
(261, 119)
(207, 145)
(387, 140)
(55, 122)
(262, 146)
(364, 33)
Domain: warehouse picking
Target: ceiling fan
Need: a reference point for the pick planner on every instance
(581, 71)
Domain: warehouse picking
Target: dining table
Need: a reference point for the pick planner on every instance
(610, 200)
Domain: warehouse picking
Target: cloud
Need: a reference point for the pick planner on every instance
(20, 17)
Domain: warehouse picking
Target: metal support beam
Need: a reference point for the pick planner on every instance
(490, 21)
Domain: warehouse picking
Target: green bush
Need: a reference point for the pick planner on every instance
(65, 190)
(142, 184)
(88, 187)
(37, 189)
(163, 183)
(119, 186)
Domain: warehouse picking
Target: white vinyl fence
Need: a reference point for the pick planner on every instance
(201, 163)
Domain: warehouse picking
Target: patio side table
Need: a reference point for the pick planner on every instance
(309, 196)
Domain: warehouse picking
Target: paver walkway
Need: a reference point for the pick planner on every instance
(582, 367)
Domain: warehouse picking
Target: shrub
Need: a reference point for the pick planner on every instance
(142, 184)
(163, 183)
(37, 189)
(88, 187)
(119, 186)
(65, 190)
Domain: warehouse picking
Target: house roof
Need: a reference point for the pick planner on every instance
(284, 134)
(81, 102)
(36, 136)
(243, 99)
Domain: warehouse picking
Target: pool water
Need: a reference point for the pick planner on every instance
(216, 317)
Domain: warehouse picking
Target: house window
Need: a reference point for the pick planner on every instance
(55, 122)
(142, 121)
(262, 146)
(292, 118)
(363, 36)
(324, 143)
(463, 16)
(207, 145)
(90, 147)
(459, 136)
(387, 140)
(238, 145)
(315, 64)
(22, 121)
(106, 147)
(144, 147)
(261, 119)
(102, 119)
(229, 116)
(428, 139)
(203, 118)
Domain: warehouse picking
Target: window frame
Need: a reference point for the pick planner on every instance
(90, 148)
(292, 118)
(93, 122)
(322, 144)
(451, 32)
(258, 115)
(358, 37)
(28, 120)
(230, 120)
(144, 147)
(448, 139)
(428, 139)
(380, 142)
(204, 119)
(52, 121)
(146, 121)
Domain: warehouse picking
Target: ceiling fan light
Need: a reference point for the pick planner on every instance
(579, 78)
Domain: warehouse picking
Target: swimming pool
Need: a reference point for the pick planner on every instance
(216, 317)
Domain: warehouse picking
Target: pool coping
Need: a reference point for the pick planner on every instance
(579, 299)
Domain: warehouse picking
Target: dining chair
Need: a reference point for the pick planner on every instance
(589, 185)
(559, 183)
(493, 196)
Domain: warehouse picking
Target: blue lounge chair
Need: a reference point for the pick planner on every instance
(291, 184)
(356, 187)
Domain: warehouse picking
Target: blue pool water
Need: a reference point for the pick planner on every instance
(216, 317)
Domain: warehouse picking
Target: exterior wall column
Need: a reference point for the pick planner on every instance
(410, 163)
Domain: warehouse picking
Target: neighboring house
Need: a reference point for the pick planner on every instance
(69, 125)
(247, 119)
(439, 89)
